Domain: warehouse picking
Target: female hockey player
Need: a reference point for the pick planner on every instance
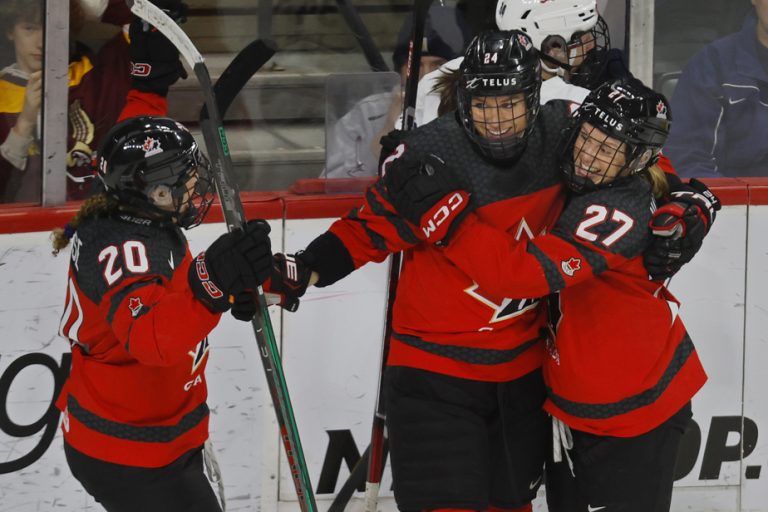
(139, 309)
(621, 369)
(463, 385)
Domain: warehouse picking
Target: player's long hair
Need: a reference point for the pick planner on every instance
(100, 205)
(658, 179)
(446, 85)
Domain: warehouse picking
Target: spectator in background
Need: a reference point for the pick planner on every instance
(98, 84)
(358, 132)
(721, 105)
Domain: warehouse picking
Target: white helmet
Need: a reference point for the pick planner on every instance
(543, 18)
(570, 34)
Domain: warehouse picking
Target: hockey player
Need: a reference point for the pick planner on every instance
(139, 309)
(618, 386)
(463, 385)
(565, 33)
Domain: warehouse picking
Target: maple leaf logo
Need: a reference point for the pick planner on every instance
(135, 305)
(571, 266)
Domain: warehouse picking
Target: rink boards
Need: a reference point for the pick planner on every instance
(331, 350)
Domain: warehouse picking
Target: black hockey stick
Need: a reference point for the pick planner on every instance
(218, 153)
(245, 64)
(374, 456)
(378, 446)
(364, 39)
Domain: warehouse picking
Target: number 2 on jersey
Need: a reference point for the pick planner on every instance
(134, 258)
(597, 214)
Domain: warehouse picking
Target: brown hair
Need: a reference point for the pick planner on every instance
(99, 205)
(447, 84)
(15, 11)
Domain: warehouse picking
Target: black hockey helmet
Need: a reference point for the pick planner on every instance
(500, 75)
(618, 131)
(147, 163)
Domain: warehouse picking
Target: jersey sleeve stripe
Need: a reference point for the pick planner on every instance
(404, 231)
(596, 260)
(120, 295)
(551, 271)
(377, 241)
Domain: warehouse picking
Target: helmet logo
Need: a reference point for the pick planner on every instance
(524, 41)
(151, 147)
(135, 305)
(661, 110)
(571, 266)
(608, 119)
(490, 83)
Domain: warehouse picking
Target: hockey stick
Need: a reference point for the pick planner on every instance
(375, 455)
(364, 39)
(247, 62)
(378, 446)
(218, 153)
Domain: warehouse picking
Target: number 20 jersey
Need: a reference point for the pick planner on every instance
(136, 392)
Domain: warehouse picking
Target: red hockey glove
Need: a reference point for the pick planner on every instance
(289, 281)
(680, 227)
(236, 261)
(428, 194)
(155, 64)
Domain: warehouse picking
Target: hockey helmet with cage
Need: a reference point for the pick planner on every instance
(618, 131)
(498, 92)
(572, 26)
(154, 167)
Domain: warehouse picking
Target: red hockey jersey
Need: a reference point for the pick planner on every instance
(621, 360)
(136, 392)
(443, 320)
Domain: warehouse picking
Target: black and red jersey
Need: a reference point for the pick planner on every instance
(136, 392)
(443, 320)
(621, 360)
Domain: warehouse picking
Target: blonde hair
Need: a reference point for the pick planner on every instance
(99, 205)
(658, 179)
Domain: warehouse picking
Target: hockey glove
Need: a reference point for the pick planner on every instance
(237, 261)
(680, 227)
(155, 64)
(289, 281)
(428, 194)
(244, 306)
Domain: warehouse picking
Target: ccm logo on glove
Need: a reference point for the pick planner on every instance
(443, 210)
(205, 279)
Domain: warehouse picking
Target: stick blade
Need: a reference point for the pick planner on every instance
(245, 64)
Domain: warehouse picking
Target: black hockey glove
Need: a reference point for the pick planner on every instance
(679, 227)
(428, 194)
(155, 64)
(244, 306)
(289, 280)
(237, 261)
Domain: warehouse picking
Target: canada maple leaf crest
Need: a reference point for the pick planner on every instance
(151, 147)
(135, 305)
(571, 266)
(661, 110)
